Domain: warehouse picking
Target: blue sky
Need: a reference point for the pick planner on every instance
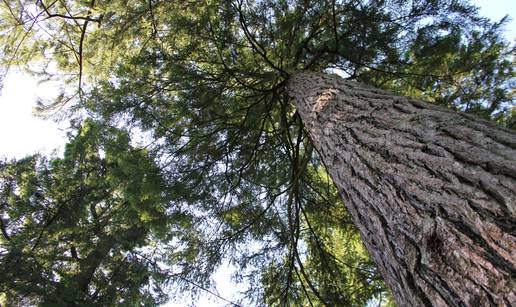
(496, 9)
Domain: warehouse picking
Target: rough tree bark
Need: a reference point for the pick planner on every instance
(432, 191)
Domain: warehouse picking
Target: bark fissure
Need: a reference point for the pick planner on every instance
(432, 191)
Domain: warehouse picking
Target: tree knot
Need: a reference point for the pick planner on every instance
(323, 99)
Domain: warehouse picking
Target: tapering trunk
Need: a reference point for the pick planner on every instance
(92, 262)
(432, 191)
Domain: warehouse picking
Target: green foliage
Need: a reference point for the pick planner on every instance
(468, 70)
(77, 230)
(206, 80)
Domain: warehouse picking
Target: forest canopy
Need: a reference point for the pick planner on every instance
(228, 173)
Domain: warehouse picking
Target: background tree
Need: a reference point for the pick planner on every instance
(208, 81)
(79, 231)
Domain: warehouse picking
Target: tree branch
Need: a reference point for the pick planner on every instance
(52, 15)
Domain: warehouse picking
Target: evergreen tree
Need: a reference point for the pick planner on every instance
(432, 191)
(208, 80)
(79, 230)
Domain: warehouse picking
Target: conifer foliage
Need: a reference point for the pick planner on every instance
(229, 173)
(79, 230)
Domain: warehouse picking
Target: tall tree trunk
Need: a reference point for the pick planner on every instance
(92, 261)
(432, 191)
